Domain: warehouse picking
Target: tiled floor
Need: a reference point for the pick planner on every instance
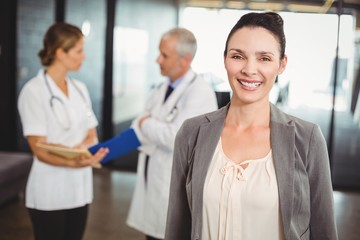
(113, 191)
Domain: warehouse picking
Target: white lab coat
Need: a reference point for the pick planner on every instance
(52, 187)
(192, 97)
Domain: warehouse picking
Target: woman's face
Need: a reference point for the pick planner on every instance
(73, 58)
(252, 64)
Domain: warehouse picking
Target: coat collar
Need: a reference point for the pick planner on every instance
(282, 137)
(179, 90)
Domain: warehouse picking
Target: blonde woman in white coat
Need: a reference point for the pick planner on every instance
(157, 128)
(56, 109)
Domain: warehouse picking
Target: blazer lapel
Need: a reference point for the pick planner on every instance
(283, 148)
(209, 133)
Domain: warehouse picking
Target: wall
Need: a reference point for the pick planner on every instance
(138, 29)
(92, 14)
(7, 74)
(33, 19)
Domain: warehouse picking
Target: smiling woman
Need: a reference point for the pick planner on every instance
(252, 68)
(249, 165)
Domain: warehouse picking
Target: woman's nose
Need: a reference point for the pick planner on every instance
(250, 67)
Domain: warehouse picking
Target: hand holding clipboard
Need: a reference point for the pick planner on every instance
(119, 145)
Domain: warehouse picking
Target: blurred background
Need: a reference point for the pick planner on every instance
(321, 83)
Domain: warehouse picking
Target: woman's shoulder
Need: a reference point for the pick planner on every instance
(33, 85)
(197, 121)
(79, 83)
(302, 126)
(281, 116)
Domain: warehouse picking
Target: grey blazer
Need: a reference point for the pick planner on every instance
(301, 165)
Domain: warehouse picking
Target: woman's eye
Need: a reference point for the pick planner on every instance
(237, 57)
(265, 59)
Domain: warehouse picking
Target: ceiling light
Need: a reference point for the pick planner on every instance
(235, 4)
(304, 8)
(266, 6)
(206, 4)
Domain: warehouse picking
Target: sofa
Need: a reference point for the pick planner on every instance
(14, 171)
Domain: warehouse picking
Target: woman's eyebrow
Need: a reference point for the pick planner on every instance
(257, 53)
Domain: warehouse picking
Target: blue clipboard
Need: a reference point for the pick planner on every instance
(119, 145)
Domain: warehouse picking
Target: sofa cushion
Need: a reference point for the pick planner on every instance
(14, 171)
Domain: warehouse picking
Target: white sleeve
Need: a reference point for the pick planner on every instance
(32, 112)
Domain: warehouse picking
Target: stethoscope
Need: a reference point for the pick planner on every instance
(174, 111)
(66, 124)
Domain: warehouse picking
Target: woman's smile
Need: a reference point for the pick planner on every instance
(249, 84)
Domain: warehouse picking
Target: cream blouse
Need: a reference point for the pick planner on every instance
(241, 203)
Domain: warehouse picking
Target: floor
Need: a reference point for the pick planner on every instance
(113, 191)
